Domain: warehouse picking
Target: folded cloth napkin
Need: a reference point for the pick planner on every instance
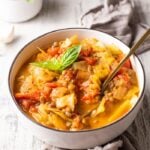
(119, 18)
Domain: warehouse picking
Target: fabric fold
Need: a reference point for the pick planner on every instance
(118, 19)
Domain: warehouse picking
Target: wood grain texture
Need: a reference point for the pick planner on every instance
(55, 14)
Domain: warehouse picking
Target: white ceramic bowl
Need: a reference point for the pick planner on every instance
(19, 10)
(77, 139)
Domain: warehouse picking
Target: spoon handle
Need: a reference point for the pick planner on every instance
(132, 50)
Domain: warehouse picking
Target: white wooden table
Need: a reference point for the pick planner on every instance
(54, 15)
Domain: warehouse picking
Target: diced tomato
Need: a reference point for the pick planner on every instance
(86, 53)
(69, 74)
(122, 70)
(53, 51)
(33, 108)
(125, 77)
(52, 84)
(127, 64)
(27, 103)
(90, 60)
(46, 92)
(31, 96)
(89, 98)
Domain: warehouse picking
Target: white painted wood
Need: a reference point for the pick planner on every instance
(54, 15)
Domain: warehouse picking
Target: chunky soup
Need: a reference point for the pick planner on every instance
(60, 87)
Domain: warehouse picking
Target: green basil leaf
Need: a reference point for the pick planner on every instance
(44, 64)
(70, 56)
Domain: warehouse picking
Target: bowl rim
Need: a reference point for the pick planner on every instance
(80, 131)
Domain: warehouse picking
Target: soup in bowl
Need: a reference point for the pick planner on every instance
(56, 80)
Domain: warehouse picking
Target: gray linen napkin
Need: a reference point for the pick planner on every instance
(119, 18)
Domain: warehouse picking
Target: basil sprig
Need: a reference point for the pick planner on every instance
(70, 56)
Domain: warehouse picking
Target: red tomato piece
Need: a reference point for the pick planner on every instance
(31, 96)
(86, 52)
(90, 98)
(33, 108)
(123, 68)
(90, 60)
(28, 104)
(53, 51)
(127, 64)
(52, 84)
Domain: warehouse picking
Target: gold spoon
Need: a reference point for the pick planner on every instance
(132, 50)
(111, 76)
